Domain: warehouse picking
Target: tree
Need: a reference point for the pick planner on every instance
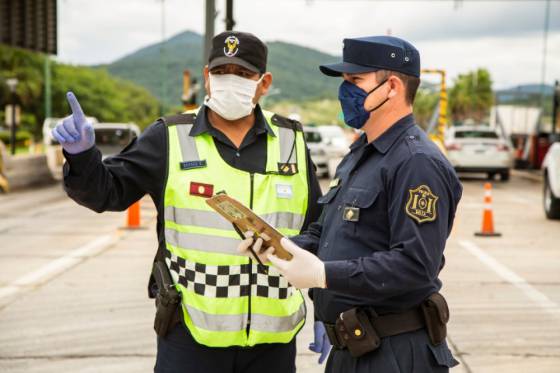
(424, 105)
(107, 98)
(471, 96)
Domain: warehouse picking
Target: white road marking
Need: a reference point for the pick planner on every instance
(522, 200)
(58, 266)
(508, 275)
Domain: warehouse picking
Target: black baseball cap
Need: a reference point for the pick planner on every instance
(372, 53)
(240, 48)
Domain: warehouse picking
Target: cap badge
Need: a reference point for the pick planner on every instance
(232, 46)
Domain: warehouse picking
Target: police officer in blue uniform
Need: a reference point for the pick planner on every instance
(373, 258)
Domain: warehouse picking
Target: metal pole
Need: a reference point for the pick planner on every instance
(163, 61)
(48, 107)
(229, 15)
(555, 104)
(545, 42)
(13, 129)
(210, 16)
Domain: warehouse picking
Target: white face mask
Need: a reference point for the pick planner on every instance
(231, 95)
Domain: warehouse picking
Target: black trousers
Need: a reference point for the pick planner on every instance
(178, 352)
(404, 353)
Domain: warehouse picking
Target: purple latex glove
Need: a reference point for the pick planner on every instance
(74, 133)
(321, 344)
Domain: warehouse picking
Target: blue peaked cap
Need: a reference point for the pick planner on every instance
(372, 53)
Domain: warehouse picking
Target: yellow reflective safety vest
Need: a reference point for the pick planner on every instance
(227, 299)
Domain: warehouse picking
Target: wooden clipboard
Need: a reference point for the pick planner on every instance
(246, 220)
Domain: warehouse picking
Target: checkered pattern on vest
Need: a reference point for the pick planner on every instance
(229, 281)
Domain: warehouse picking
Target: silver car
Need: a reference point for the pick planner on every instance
(479, 149)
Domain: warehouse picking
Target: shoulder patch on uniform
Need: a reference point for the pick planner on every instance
(173, 120)
(421, 204)
(284, 122)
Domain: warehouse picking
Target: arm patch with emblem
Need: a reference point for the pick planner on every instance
(421, 204)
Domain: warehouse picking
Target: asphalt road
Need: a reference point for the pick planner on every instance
(73, 286)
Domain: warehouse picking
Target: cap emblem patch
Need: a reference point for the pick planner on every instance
(232, 46)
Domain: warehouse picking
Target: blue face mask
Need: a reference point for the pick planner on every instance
(352, 100)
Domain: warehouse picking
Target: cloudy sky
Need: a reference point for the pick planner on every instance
(504, 36)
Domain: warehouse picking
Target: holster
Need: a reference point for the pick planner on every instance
(436, 316)
(357, 332)
(167, 300)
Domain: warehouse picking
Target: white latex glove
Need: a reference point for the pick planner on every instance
(304, 270)
(257, 244)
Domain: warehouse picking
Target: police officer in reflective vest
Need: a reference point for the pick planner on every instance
(232, 314)
(386, 218)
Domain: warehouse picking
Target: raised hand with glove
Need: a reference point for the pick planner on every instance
(304, 270)
(321, 344)
(75, 133)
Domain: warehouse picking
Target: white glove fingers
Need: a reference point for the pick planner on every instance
(258, 244)
(280, 264)
(244, 245)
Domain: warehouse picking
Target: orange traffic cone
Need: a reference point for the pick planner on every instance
(488, 215)
(133, 216)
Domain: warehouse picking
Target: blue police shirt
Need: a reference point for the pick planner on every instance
(384, 224)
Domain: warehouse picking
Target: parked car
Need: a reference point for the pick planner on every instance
(53, 150)
(317, 149)
(479, 149)
(111, 138)
(551, 167)
(327, 145)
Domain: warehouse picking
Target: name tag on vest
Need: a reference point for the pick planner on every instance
(192, 164)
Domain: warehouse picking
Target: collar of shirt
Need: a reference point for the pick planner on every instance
(202, 125)
(384, 142)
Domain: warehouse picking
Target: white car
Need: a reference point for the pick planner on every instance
(317, 150)
(479, 149)
(111, 138)
(53, 150)
(327, 145)
(551, 167)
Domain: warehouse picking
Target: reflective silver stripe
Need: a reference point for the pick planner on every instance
(284, 219)
(232, 323)
(265, 323)
(210, 219)
(217, 323)
(187, 143)
(287, 142)
(202, 242)
(199, 218)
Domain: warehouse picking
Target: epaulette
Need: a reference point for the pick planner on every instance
(173, 120)
(284, 122)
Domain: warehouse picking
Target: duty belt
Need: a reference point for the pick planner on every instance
(384, 326)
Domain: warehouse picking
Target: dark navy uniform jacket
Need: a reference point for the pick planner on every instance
(384, 224)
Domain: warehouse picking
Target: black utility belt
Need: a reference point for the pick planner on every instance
(360, 329)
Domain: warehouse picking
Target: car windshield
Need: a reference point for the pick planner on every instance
(476, 135)
(112, 140)
(313, 137)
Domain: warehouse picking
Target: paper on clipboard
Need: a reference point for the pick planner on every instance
(246, 220)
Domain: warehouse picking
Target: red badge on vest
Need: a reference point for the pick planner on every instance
(202, 190)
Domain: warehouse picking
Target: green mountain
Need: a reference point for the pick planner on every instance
(295, 69)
